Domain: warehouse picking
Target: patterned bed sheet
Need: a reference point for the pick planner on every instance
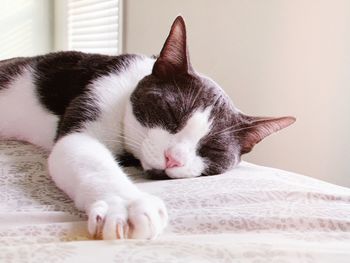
(250, 214)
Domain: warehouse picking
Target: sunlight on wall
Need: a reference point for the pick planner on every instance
(25, 27)
(17, 41)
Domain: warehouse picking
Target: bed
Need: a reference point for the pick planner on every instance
(250, 214)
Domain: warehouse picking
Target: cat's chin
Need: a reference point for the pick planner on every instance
(155, 174)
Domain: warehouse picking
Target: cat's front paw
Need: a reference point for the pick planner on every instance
(108, 219)
(147, 217)
(114, 218)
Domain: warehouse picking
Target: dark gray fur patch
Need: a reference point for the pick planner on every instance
(62, 80)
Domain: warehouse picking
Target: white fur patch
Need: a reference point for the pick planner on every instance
(22, 117)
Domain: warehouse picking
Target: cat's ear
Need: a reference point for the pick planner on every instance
(173, 59)
(255, 129)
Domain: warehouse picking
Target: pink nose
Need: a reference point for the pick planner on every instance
(170, 161)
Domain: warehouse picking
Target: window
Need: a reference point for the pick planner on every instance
(32, 27)
(88, 25)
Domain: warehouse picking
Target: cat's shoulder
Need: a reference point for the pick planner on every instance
(90, 63)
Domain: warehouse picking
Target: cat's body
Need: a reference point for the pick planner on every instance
(86, 109)
(45, 86)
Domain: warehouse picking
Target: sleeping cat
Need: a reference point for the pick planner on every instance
(88, 108)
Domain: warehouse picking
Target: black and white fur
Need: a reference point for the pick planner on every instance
(88, 108)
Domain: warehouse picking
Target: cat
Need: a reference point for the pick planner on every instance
(88, 108)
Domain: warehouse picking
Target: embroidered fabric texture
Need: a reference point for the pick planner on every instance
(250, 214)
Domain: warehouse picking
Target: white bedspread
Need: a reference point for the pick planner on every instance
(251, 214)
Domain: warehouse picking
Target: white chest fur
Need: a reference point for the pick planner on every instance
(112, 93)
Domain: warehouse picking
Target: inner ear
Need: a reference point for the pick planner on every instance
(254, 129)
(173, 59)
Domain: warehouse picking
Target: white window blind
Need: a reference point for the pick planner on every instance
(94, 26)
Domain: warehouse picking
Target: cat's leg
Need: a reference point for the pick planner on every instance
(85, 169)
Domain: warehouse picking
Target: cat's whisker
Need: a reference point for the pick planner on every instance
(129, 139)
(217, 99)
(113, 131)
(190, 95)
(181, 95)
(241, 129)
(128, 124)
(118, 141)
(132, 143)
(238, 124)
(126, 139)
(226, 129)
(195, 98)
(248, 127)
(139, 133)
(123, 142)
(147, 149)
(131, 147)
(121, 129)
(192, 90)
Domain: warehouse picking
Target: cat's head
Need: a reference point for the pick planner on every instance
(189, 125)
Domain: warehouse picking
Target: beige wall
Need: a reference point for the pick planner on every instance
(275, 58)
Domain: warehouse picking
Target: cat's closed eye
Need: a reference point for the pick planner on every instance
(175, 118)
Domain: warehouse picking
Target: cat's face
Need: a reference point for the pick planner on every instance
(190, 127)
